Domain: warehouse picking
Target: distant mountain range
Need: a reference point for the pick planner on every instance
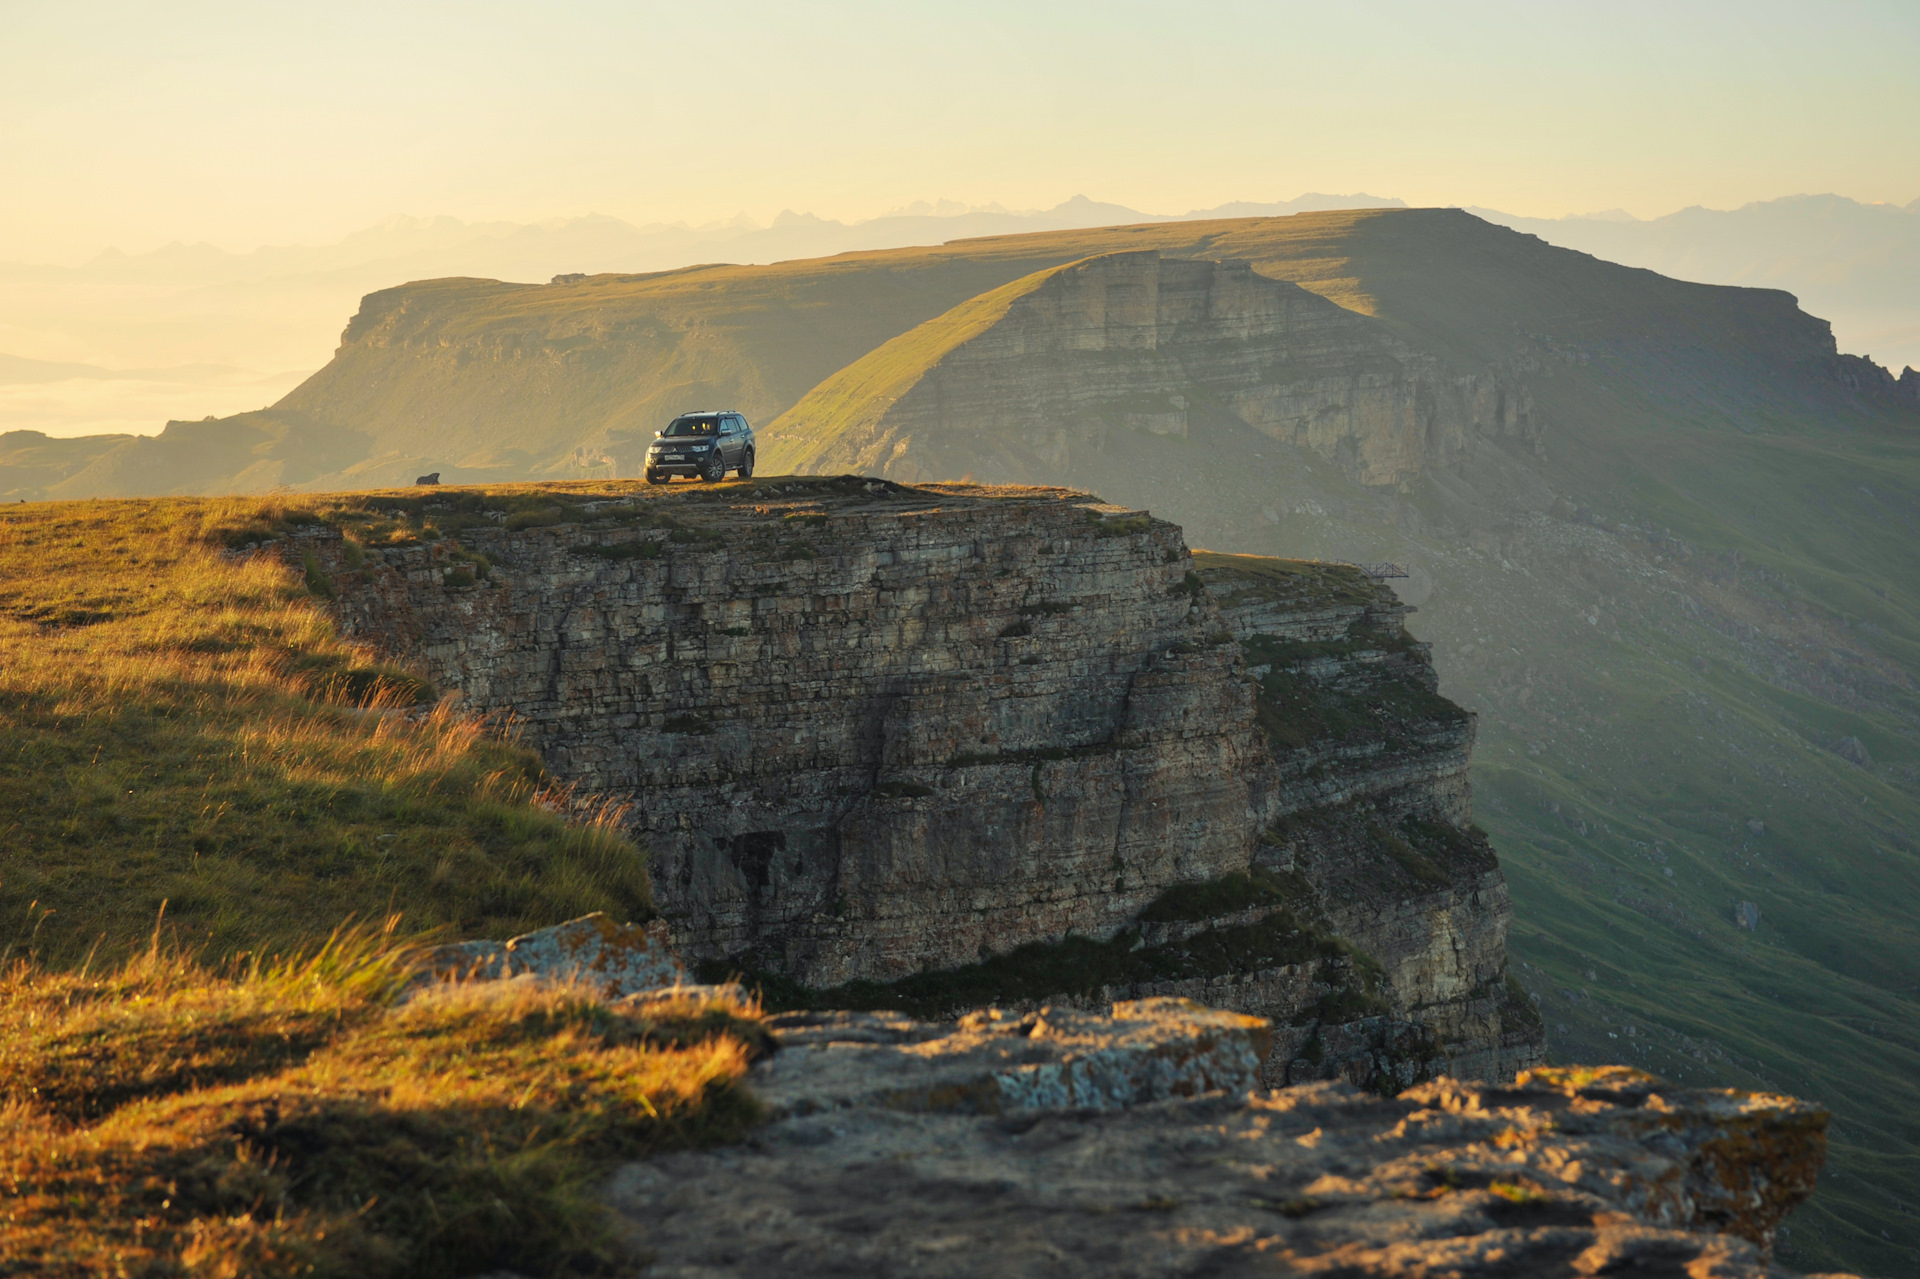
(16, 371)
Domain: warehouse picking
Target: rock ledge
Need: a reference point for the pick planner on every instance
(1062, 1143)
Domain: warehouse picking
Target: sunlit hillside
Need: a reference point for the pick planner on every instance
(185, 729)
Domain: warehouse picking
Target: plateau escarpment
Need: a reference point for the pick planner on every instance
(845, 732)
(987, 746)
(1021, 381)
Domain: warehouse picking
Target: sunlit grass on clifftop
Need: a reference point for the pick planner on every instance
(180, 723)
(287, 1118)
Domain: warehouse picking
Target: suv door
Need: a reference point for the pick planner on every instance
(728, 443)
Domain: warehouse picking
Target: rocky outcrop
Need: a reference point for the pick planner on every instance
(1063, 1143)
(1006, 746)
(849, 728)
(1137, 342)
(1908, 387)
(614, 959)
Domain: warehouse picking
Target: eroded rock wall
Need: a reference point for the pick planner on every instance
(869, 731)
(870, 738)
(1137, 342)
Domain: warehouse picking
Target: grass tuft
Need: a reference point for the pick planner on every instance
(284, 1117)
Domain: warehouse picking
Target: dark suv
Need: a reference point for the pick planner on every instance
(704, 445)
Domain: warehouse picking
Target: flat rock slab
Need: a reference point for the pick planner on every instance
(992, 1062)
(900, 1148)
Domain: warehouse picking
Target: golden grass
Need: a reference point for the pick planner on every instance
(854, 398)
(182, 724)
(287, 1118)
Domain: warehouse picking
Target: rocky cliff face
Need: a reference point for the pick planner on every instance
(1375, 808)
(1137, 342)
(1016, 739)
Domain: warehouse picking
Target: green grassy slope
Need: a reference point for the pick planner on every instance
(1705, 692)
(1679, 755)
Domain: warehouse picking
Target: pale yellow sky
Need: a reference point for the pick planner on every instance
(135, 124)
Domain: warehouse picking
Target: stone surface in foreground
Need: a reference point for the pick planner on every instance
(615, 959)
(901, 1147)
(991, 1062)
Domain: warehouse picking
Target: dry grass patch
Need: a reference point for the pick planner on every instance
(182, 723)
(288, 1118)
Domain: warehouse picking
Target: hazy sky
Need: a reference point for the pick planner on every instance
(246, 123)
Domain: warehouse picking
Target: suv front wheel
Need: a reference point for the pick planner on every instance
(716, 469)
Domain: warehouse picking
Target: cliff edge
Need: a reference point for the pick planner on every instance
(941, 747)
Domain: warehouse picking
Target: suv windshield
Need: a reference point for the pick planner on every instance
(693, 426)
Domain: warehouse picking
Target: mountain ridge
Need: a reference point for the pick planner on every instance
(280, 307)
(435, 373)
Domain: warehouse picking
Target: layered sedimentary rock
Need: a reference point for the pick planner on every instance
(848, 732)
(1376, 807)
(1050, 366)
(1011, 736)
